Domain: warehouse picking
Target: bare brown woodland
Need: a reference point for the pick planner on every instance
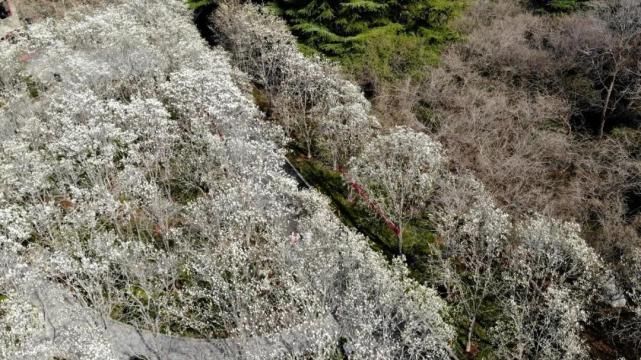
(545, 112)
(543, 109)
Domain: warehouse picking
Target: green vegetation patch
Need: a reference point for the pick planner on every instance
(559, 5)
(376, 40)
(417, 236)
(382, 39)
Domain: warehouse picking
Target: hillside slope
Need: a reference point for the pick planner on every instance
(147, 207)
(136, 175)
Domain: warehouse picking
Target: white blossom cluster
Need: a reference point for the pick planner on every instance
(29, 332)
(398, 170)
(551, 279)
(537, 271)
(327, 114)
(403, 317)
(138, 176)
(627, 328)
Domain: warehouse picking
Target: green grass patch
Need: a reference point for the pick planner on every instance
(374, 39)
(32, 86)
(417, 236)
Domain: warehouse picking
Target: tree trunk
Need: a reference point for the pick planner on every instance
(470, 330)
(400, 239)
(607, 104)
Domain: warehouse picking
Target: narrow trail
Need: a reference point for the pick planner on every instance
(63, 315)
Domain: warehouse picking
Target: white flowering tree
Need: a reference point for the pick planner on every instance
(398, 171)
(625, 324)
(326, 114)
(401, 319)
(474, 241)
(345, 131)
(552, 277)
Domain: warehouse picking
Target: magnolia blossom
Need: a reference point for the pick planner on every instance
(551, 278)
(328, 115)
(475, 238)
(398, 171)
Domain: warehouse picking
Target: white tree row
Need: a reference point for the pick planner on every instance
(538, 272)
(327, 114)
(137, 174)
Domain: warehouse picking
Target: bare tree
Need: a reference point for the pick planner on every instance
(617, 67)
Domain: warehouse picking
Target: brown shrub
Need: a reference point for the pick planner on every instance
(397, 103)
(502, 106)
(515, 143)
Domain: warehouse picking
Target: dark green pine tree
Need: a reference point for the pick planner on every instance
(332, 26)
(337, 28)
(558, 5)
